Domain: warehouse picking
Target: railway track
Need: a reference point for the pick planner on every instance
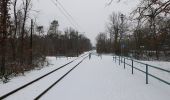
(44, 76)
(51, 86)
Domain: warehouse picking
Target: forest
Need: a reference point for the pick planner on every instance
(143, 34)
(24, 44)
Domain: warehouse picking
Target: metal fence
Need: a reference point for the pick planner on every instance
(146, 71)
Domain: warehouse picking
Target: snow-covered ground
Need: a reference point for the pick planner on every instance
(29, 76)
(98, 78)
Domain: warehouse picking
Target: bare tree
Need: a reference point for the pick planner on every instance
(4, 25)
(26, 5)
(13, 36)
(117, 27)
(101, 43)
(149, 10)
(113, 28)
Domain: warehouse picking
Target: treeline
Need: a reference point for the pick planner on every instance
(67, 43)
(24, 45)
(145, 34)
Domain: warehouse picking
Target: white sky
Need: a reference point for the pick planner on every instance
(91, 15)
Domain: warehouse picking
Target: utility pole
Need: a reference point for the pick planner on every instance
(77, 44)
(121, 34)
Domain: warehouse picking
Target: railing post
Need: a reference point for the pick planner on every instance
(124, 63)
(132, 66)
(146, 73)
(119, 60)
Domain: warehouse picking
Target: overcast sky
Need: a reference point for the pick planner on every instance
(90, 15)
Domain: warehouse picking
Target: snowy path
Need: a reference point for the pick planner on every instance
(102, 79)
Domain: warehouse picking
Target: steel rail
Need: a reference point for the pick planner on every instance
(62, 77)
(37, 79)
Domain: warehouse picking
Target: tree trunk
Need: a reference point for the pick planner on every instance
(23, 31)
(31, 43)
(13, 41)
(4, 20)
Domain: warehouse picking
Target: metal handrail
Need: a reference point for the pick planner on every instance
(147, 65)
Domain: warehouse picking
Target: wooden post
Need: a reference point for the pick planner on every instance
(124, 63)
(132, 66)
(119, 60)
